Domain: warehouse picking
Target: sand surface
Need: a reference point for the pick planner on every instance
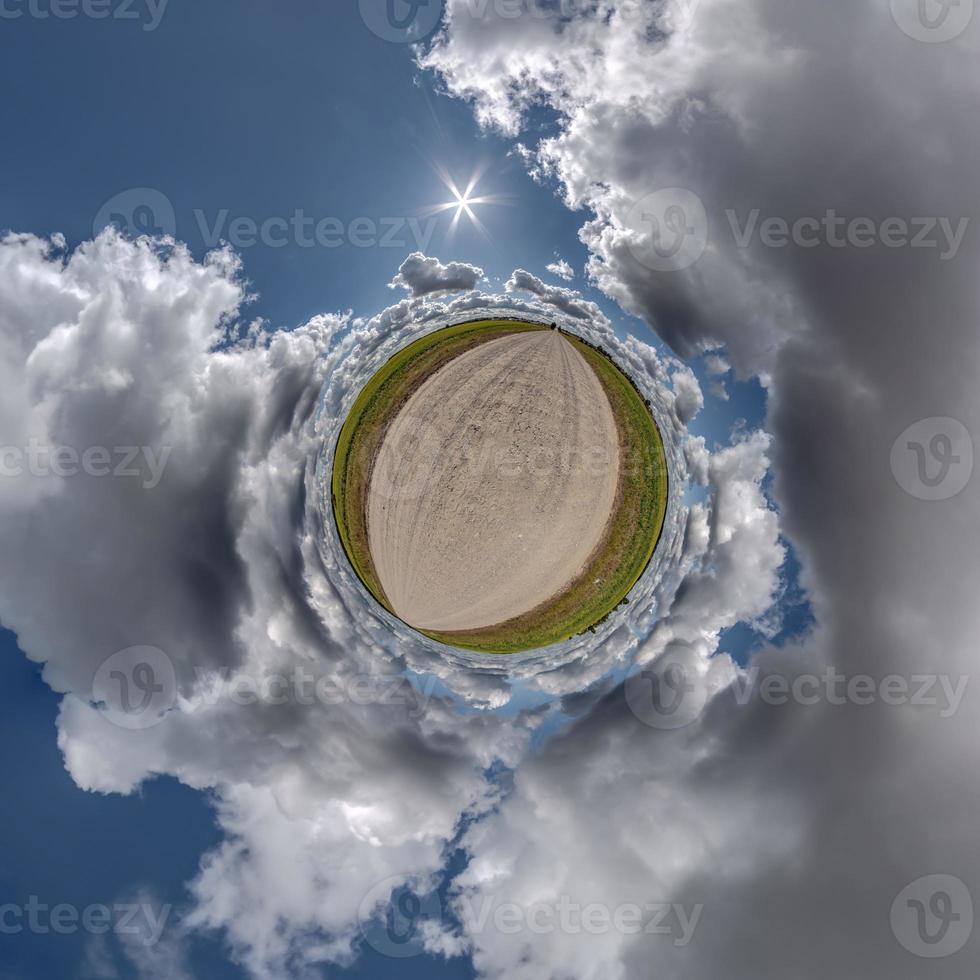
(493, 484)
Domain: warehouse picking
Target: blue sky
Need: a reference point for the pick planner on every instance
(258, 109)
(261, 109)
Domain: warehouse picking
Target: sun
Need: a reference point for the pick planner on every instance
(464, 202)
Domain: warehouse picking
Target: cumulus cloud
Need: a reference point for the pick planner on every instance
(784, 111)
(716, 368)
(126, 344)
(690, 399)
(569, 301)
(561, 269)
(421, 275)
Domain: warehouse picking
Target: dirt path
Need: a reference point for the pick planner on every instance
(493, 484)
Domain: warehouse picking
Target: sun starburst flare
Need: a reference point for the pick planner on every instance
(464, 201)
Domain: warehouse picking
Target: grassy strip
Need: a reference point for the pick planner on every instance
(630, 537)
(376, 406)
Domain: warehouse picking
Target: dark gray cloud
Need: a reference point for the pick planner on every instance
(800, 821)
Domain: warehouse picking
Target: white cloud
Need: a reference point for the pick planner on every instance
(690, 400)
(569, 301)
(716, 366)
(718, 389)
(561, 269)
(421, 275)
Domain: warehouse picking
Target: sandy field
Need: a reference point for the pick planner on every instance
(493, 484)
